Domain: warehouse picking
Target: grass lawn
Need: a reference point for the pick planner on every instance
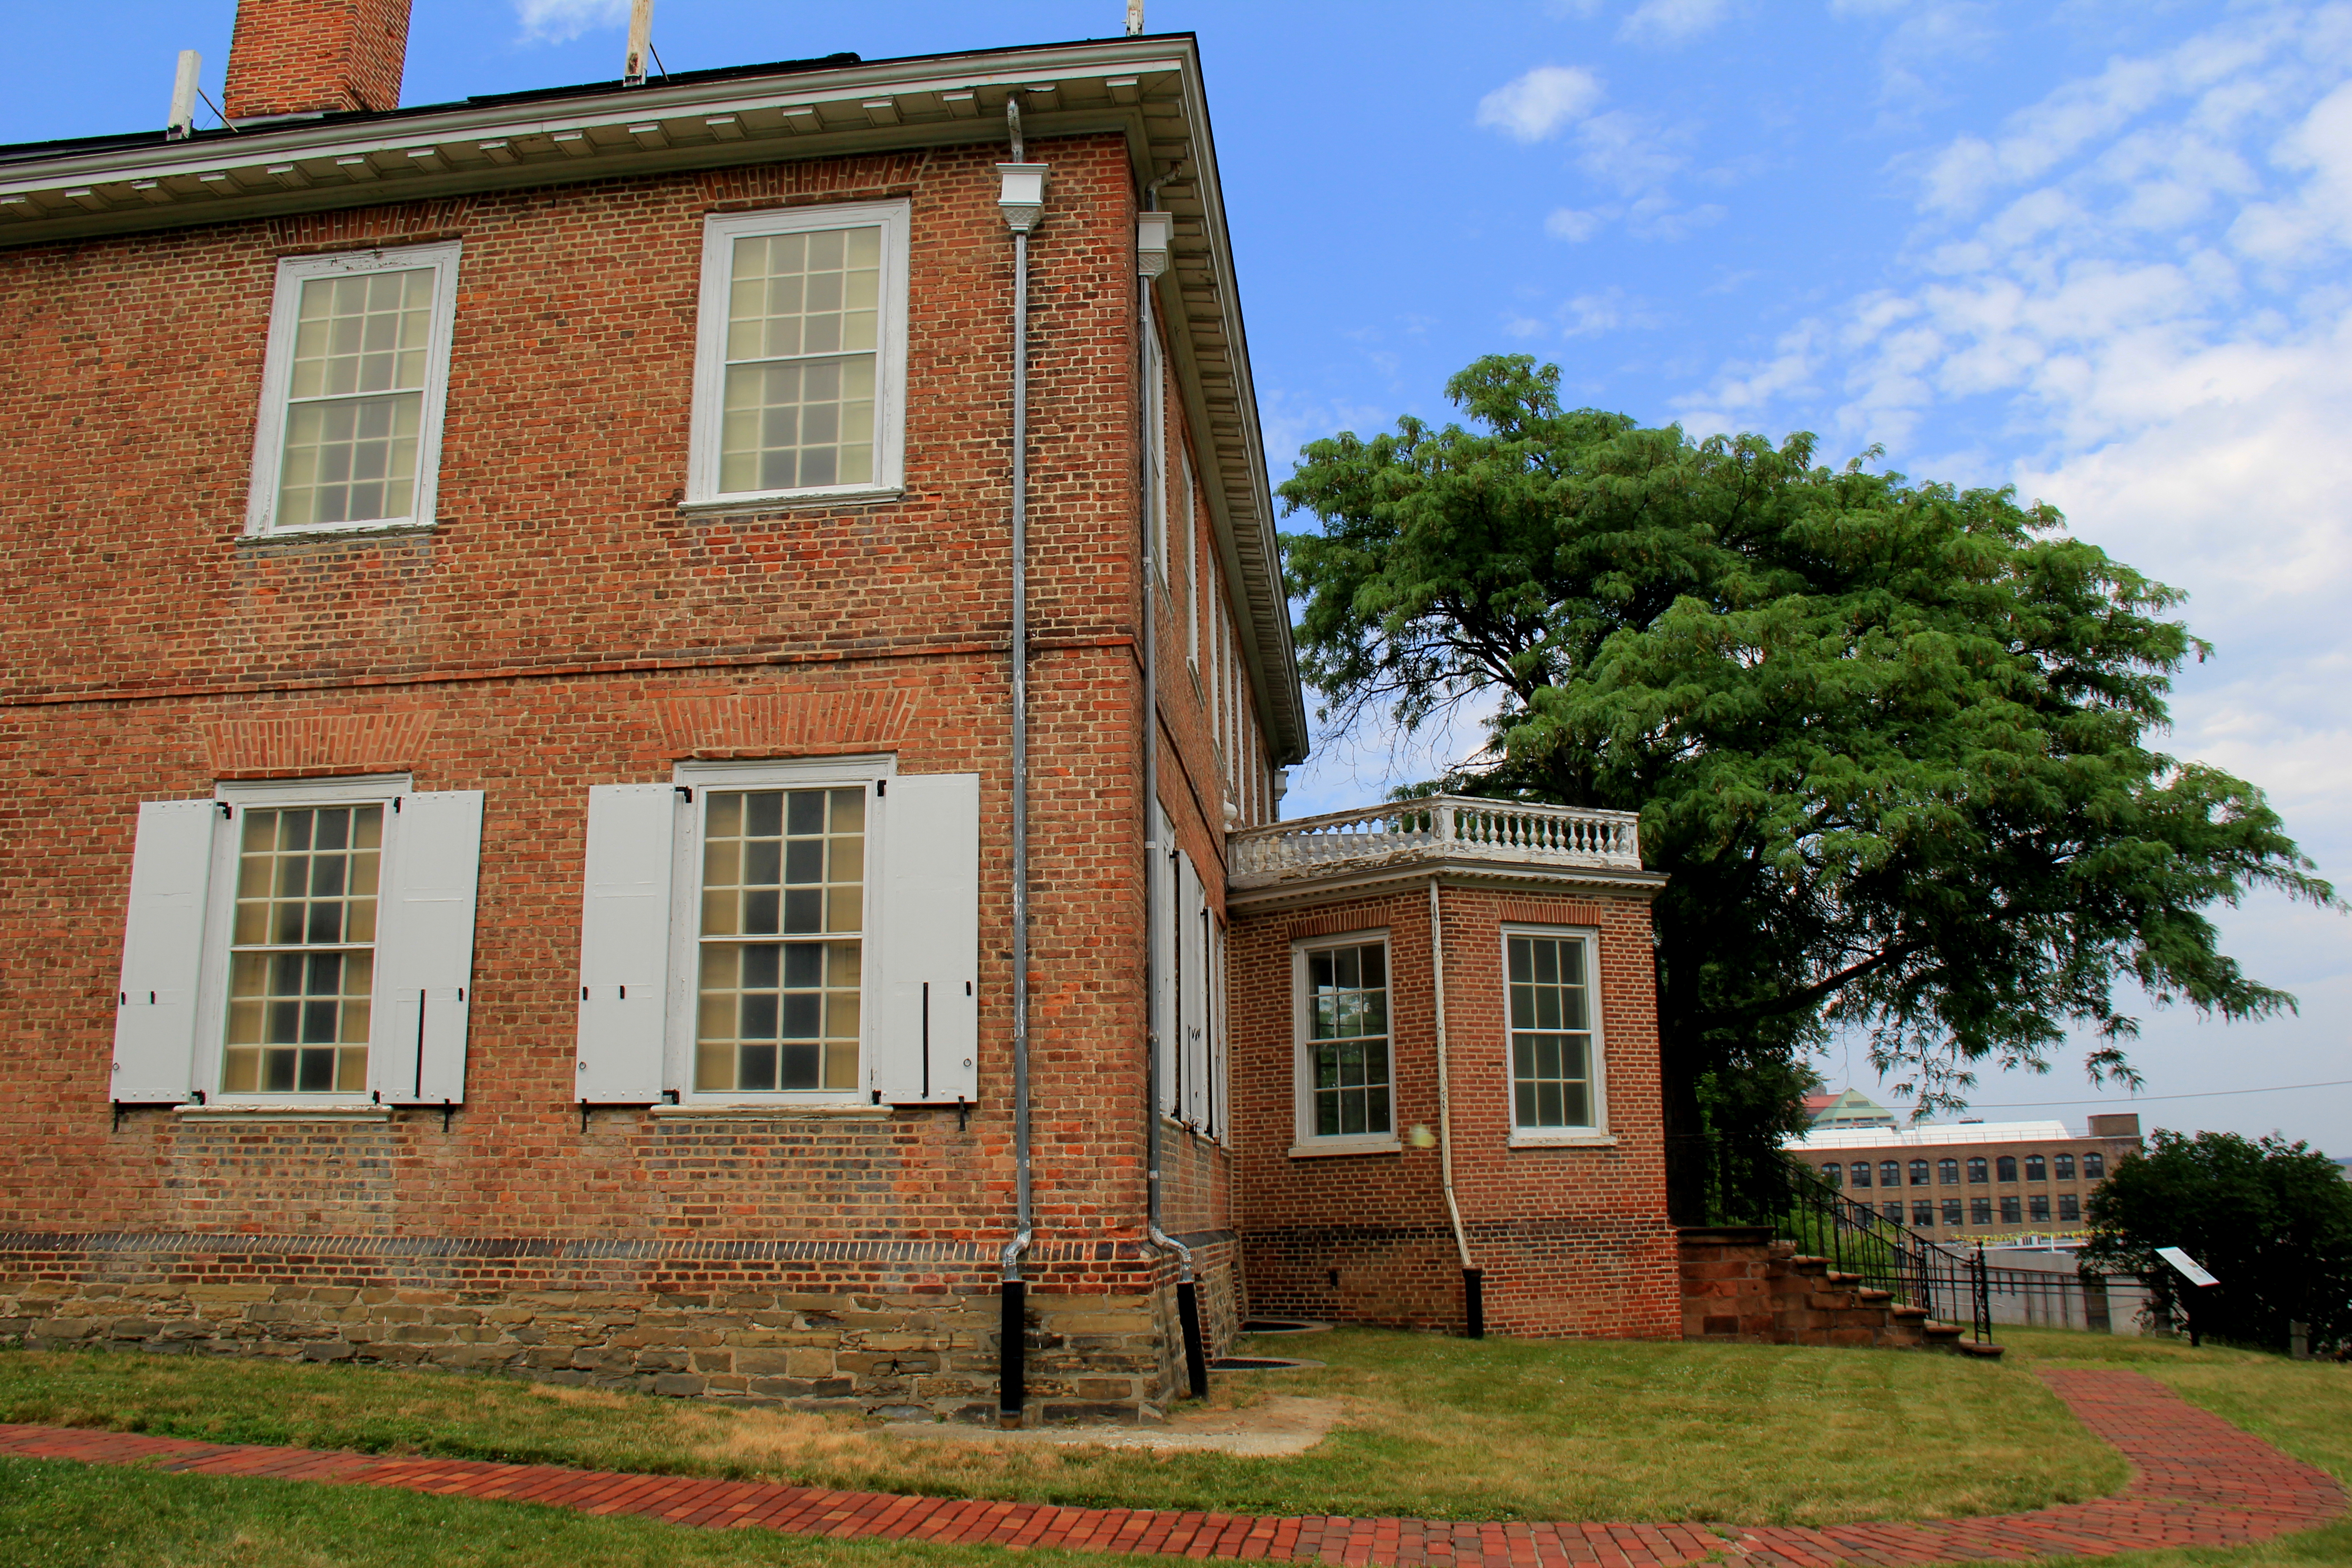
(1437, 1428)
(1443, 1428)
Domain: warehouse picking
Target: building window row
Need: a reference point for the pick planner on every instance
(750, 931)
(798, 379)
(1551, 1061)
(1890, 1172)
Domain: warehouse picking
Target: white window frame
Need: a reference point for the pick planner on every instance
(720, 233)
(1599, 1133)
(686, 920)
(277, 373)
(1191, 569)
(1306, 1144)
(220, 916)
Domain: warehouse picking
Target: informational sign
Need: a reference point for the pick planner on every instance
(2187, 1268)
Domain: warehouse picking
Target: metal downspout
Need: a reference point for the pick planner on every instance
(1155, 864)
(1474, 1279)
(1012, 1323)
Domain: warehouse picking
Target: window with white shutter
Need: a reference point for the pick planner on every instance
(304, 942)
(771, 934)
(1164, 922)
(1192, 963)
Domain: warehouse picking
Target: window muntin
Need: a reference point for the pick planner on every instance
(778, 1004)
(1947, 1172)
(2065, 1163)
(302, 950)
(2095, 1166)
(2005, 1167)
(1890, 1172)
(1951, 1211)
(349, 434)
(1977, 1170)
(2036, 1169)
(2037, 1207)
(2069, 1207)
(1979, 1211)
(1918, 1173)
(1923, 1215)
(1861, 1172)
(1347, 1041)
(1552, 1085)
(2009, 1211)
(801, 369)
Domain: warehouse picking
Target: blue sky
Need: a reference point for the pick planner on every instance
(2095, 248)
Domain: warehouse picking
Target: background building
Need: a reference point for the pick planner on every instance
(1976, 1179)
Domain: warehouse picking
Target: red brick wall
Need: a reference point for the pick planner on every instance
(565, 625)
(1574, 1241)
(295, 57)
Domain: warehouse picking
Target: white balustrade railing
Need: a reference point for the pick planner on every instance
(1452, 826)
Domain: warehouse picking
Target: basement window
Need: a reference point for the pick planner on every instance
(349, 436)
(800, 354)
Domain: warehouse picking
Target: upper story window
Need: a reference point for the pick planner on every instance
(2005, 1167)
(1976, 1171)
(800, 364)
(350, 429)
(2065, 1163)
(1947, 1172)
(1861, 1172)
(1890, 1173)
(2036, 1169)
(1555, 1078)
(1346, 1088)
(1835, 1172)
(2095, 1166)
(1918, 1173)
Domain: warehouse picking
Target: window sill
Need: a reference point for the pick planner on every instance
(1563, 1141)
(285, 1113)
(332, 534)
(1328, 1148)
(753, 506)
(769, 1110)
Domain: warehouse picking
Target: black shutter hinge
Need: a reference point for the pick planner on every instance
(881, 787)
(684, 793)
(227, 811)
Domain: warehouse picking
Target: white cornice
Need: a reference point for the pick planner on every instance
(1343, 883)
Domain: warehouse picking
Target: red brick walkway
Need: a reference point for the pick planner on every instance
(2197, 1481)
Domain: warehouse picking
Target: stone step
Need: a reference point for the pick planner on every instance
(1983, 1351)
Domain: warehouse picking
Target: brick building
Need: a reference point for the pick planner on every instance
(1977, 1180)
(525, 716)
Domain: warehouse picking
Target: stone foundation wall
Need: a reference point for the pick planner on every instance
(907, 1330)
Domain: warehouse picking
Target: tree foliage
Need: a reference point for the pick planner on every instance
(1888, 740)
(2271, 1220)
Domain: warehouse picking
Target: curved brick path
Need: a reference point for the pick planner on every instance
(2197, 1481)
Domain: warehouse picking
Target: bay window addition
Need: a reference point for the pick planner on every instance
(1555, 1038)
(801, 360)
(350, 429)
(1346, 1093)
(782, 941)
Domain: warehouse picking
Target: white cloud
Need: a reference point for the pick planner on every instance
(559, 21)
(1570, 223)
(1538, 104)
(1672, 21)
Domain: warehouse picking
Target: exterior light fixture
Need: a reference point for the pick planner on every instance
(1153, 231)
(1023, 197)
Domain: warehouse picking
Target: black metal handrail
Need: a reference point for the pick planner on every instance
(1766, 1187)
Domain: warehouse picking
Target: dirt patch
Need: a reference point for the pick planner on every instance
(1271, 1425)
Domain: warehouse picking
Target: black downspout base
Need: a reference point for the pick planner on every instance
(1196, 1354)
(1473, 1301)
(1012, 1345)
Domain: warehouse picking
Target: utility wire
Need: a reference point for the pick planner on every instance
(2143, 1099)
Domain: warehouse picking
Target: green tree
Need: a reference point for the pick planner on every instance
(2271, 1220)
(1888, 738)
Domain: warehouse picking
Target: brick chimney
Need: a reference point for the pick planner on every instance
(299, 57)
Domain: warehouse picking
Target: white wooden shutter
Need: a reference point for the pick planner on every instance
(162, 951)
(1220, 1033)
(625, 941)
(924, 1049)
(1193, 910)
(1162, 923)
(424, 949)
